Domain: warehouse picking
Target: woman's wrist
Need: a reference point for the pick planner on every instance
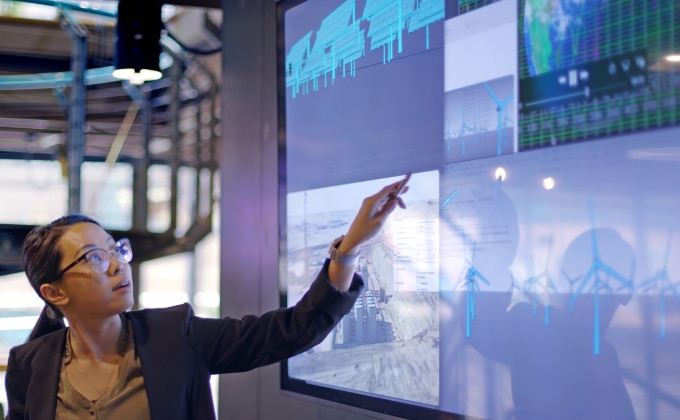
(347, 245)
(343, 254)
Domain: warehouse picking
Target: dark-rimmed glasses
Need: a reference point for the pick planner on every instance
(99, 259)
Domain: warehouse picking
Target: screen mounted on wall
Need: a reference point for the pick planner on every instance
(534, 273)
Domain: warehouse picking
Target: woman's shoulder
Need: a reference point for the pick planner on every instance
(168, 314)
(174, 321)
(46, 343)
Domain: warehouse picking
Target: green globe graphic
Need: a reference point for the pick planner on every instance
(596, 68)
(559, 34)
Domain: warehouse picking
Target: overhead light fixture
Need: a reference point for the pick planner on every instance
(673, 58)
(138, 48)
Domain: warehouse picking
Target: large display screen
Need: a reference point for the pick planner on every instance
(534, 273)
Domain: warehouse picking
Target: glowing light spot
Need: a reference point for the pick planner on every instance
(549, 183)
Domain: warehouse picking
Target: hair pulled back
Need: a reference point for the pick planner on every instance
(41, 258)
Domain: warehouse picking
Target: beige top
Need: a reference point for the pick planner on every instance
(126, 399)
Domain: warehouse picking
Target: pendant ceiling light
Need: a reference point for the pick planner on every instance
(138, 32)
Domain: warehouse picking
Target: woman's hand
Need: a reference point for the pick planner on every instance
(371, 218)
(368, 221)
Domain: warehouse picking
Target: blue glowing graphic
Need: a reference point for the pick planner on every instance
(387, 20)
(465, 130)
(447, 200)
(572, 281)
(503, 119)
(663, 284)
(596, 269)
(480, 117)
(471, 287)
(426, 13)
(540, 284)
(294, 61)
(340, 41)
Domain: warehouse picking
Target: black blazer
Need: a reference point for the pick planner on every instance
(179, 351)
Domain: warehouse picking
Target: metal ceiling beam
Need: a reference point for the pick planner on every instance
(75, 144)
(210, 4)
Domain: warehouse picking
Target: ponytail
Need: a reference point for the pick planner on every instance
(48, 321)
(41, 257)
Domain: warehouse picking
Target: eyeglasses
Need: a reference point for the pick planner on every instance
(99, 259)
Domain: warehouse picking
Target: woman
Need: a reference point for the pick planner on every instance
(154, 364)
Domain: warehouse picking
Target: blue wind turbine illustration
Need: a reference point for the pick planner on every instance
(594, 277)
(501, 110)
(541, 283)
(662, 282)
(471, 286)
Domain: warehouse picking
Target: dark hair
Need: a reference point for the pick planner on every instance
(42, 257)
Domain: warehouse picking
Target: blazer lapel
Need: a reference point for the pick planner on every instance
(163, 366)
(152, 371)
(42, 391)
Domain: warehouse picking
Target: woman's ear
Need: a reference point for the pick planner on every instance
(53, 294)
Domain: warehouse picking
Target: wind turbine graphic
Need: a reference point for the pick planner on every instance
(663, 283)
(448, 136)
(598, 283)
(447, 200)
(500, 109)
(471, 286)
(465, 130)
(540, 283)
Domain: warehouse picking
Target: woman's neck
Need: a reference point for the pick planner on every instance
(96, 341)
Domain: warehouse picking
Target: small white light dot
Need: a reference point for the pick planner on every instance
(549, 183)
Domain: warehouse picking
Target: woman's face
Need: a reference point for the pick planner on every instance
(91, 293)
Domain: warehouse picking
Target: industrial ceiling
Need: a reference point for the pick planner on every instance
(170, 121)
